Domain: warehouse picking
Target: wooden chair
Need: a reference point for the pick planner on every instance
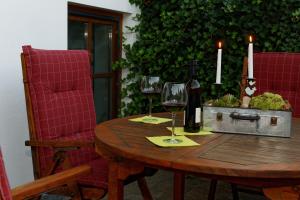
(277, 72)
(61, 117)
(283, 193)
(41, 185)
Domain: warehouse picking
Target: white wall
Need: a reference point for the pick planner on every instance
(43, 24)
(117, 5)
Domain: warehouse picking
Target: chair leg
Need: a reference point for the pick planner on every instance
(235, 192)
(75, 192)
(92, 193)
(212, 189)
(144, 189)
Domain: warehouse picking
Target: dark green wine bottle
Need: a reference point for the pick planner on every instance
(193, 111)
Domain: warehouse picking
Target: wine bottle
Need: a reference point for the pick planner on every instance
(193, 111)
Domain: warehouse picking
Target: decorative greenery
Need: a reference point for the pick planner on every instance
(172, 33)
(268, 101)
(226, 101)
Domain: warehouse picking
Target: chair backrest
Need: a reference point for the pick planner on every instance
(59, 98)
(4, 185)
(279, 72)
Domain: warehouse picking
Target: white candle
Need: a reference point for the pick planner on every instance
(250, 59)
(219, 61)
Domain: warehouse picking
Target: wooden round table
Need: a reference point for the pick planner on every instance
(244, 159)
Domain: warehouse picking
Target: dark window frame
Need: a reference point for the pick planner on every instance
(92, 15)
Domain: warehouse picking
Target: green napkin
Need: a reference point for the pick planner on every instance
(159, 141)
(151, 120)
(180, 131)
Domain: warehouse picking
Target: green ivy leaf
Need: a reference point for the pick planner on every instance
(171, 33)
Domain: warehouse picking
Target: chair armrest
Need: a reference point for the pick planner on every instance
(59, 143)
(49, 182)
(282, 193)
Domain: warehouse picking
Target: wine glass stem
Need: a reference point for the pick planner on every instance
(150, 107)
(173, 124)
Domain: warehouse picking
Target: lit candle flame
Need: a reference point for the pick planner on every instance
(250, 38)
(220, 45)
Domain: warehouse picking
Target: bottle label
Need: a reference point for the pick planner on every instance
(198, 115)
(184, 118)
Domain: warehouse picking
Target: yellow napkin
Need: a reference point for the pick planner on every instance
(159, 141)
(151, 120)
(180, 131)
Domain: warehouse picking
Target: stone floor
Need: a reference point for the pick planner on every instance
(196, 189)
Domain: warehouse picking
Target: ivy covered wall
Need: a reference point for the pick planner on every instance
(174, 32)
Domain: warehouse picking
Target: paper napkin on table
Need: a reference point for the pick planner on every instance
(180, 131)
(159, 141)
(151, 120)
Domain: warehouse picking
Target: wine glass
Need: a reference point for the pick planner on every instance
(151, 86)
(174, 98)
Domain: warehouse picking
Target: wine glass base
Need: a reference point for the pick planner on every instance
(172, 141)
(150, 119)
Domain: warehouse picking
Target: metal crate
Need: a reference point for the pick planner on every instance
(248, 121)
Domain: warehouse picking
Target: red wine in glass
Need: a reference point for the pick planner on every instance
(150, 86)
(151, 94)
(174, 98)
(173, 107)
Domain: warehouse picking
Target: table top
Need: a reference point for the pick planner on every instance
(230, 155)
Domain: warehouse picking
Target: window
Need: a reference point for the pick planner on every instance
(99, 32)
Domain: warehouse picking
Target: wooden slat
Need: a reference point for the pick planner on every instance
(244, 77)
(283, 193)
(255, 150)
(30, 119)
(49, 182)
(59, 143)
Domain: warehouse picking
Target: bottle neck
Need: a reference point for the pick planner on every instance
(192, 72)
(192, 69)
(194, 77)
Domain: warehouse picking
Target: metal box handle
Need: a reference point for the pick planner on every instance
(236, 115)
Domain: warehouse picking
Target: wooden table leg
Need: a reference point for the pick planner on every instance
(115, 185)
(212, 189)
(144, 189)
(178, 188)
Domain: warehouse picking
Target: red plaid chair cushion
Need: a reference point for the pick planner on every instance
(279, 72)
(4, 185)
(63, 107)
